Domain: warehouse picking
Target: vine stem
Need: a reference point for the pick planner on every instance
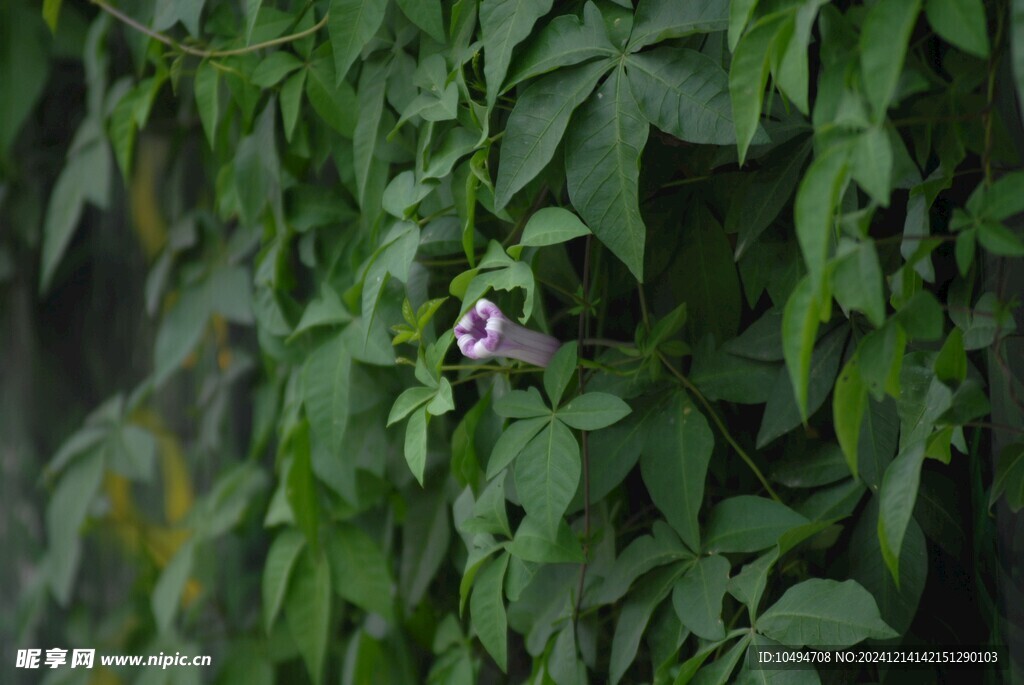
(721, 425)
(197, 52)
(581, 340)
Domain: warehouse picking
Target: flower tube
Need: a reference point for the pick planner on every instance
(486, 332)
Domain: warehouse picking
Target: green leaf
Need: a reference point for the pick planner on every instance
(697, 597)
(487, 608)
(897, 604)
(748, 76)
(754, 208)
(1009, 477)
(426, 535)
(274, 68)
(849, 401)
(301, 486)
(521, 404)
(169, 12)
(326, 378)
(749, 584)
(489, 515)
(883, 47)
(291, 102)
(896, 502)
(789, 63)
(559, 373)
(857, 280)
(998, 201)
(824, 612)
(547, 473)
(922, 317)
(602, 161)
(563, 42)
(180, 331)
(167, 592)
(536, 544)
(816, 202)
(689, 668)
(614, 452)
(86, 176)
(781, 413)
(504, 24)
(252, 12)
(640, 556)
(760, 340)
(24, 64)
(410, 399)
(962, 23)
(658, 20)
(207, 96)
(551, 226)
(873, 164)
(724, 376)
(636, 614)
(593, 411)
(951, 362)
(819, 465)
(799, 331)
(416, 444)
(370, 96)
(876, 447)
(277, 571)
(334, 100)
(427, 15)
(351, 26)
(677, 447)
(51, 13)
(359, 569)
(65, 514)
(684, 93)
(257, 170)
(708, 282)
(719, 672)
(563, 665)
(1000, 240)
(748, 524)
(307, 609)
(537, 124)
(511, 443)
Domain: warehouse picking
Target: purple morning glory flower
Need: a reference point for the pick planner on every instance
(486, 332)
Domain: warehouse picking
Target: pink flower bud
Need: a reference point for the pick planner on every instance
(486, 332)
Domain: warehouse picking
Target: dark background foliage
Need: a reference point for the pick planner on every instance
(779, 239)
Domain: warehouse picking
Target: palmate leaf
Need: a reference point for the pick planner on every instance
(602, 167)
(697, 597)
(351, 26)
(684, 93)
(504, 24)
(883, 41)
(677, 447)
(635, 615)
(748, 76)
(537, 124)
(824, 612)
(307, 609)
(487, 607)
(896, 503)
(547, 473)
(567, 40)
(658, 20)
